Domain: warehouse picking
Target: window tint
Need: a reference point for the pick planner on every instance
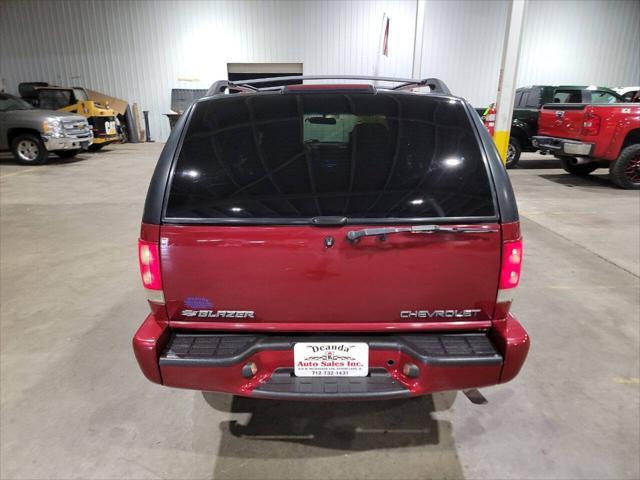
(288, 156)
(518, 98)
(54, 99)
(603, 97)
(567, 96)
(533, 98)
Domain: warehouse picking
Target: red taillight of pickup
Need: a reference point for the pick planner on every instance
(149, 261)
(590, 124)
(510, 268)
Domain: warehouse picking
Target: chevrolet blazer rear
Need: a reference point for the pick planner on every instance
(329, 241)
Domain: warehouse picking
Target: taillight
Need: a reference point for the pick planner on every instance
(511, 264)
(149, 261)
(590, 124)
(510, 268)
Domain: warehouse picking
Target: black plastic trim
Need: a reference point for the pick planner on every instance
(564, 106)
(309, 221)
(428, 348)
(506, 199)
(154, 203)
(378, 384)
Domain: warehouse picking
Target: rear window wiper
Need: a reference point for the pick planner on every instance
(355, 235)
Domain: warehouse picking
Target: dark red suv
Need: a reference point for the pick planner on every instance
(330, 241)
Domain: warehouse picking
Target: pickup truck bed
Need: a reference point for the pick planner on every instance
(527, 104)
(587, 136)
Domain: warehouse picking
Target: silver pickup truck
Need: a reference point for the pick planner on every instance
(30, 133)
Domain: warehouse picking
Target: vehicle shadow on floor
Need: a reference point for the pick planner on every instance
(289, 439)
(51, 160)
(538, 164)
(592, 180)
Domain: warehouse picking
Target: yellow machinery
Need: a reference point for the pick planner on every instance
(101, 118)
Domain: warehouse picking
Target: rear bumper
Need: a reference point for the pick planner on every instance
(562, 146)
(218, 362)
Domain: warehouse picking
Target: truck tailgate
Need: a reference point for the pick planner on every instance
(561, 120)
(290, 275)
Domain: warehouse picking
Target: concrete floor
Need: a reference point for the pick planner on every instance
(74, 404)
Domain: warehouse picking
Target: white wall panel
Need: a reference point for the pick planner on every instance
(564, 42)
(462, 45)
(594, 42)
(140, 50)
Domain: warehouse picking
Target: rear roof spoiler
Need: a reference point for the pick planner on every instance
(222, 86)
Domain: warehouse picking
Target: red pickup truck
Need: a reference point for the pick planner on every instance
(586, 137)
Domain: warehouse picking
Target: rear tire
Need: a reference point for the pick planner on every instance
(94, 147)
(514, 150)
(579, 169)
(66, 153)
(625, 171)
(29, 149)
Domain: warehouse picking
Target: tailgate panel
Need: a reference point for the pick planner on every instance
(286, 274)
(561, 121)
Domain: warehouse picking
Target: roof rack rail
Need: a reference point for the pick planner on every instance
(436, 85)
(220, 86)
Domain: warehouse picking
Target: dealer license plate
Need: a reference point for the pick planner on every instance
(332, 359)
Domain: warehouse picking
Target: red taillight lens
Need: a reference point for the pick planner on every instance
(509, 269)
(511, 264)
(149, 261)
(591, 124)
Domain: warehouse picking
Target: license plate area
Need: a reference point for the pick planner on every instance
(331, 359)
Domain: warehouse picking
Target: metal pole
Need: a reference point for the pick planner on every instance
(508, 76)
(146, 125)
(418, 40)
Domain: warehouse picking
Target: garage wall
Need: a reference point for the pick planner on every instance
(462, 45)
(139, 50)
(588, 42)
(564, 42)
(188, 44)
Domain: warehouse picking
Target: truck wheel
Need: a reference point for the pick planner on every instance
(579, 169)
(514, 150)
(94, 147)
(66, 153)
(29, 149)
(625, 171)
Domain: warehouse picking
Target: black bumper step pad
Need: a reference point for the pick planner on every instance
(283, 384)
(453, 347)
(208, 346)
(218, 350)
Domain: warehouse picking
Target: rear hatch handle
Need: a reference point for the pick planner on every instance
(327, 221)
(354, 235)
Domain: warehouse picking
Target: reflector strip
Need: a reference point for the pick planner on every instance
(505, 296)
(155, 296)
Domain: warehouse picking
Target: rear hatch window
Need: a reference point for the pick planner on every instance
(287, 158)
